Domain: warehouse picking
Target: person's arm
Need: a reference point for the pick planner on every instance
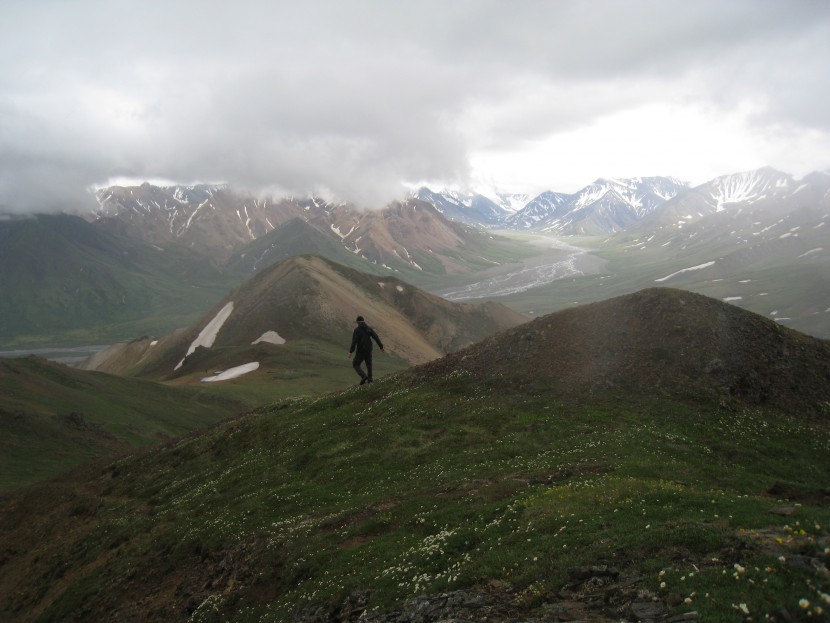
(354, 343)
(377, 340)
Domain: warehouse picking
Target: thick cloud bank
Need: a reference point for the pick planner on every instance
(354, 99)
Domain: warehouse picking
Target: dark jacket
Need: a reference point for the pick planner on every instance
(362, 338)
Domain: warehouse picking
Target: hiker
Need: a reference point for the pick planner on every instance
(362, 342)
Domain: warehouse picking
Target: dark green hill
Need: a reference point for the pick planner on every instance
(296, 237)
(53, 417)
(507, 482)
(659, 340)
(61, 277)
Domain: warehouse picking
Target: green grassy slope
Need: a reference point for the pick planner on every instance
(534, 500)
(63, 280)
(53, 418)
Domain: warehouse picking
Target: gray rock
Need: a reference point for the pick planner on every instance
(648, 610)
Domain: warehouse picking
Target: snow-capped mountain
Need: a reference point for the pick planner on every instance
(606, 206)
(539, 209)
(510, 202)
(728, 193)
(473, 209)
(746, 187)
(210, 218)
(757, 239)
(225, 225)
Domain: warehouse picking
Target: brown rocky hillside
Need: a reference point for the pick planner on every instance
(310, 298)
(220, 223)
(659, 340)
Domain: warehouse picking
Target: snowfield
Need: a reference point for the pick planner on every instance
(232, 373)
(686, 270)
(208, 335)
(271, 337)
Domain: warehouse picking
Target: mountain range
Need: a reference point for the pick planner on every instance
(219, 223)
(614, 205)
(606, 206)
(193, 214)
(153, 259)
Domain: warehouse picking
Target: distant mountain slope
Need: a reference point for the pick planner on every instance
(472, 209)
(212, 220)
(310, 298)
(767, 252)
(540, 209)
(725, 193)
(662, 341)
(53, 417)
(412, 236)
(293, 238)
(59, 273)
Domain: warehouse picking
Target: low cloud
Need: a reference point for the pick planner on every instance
(355, 99)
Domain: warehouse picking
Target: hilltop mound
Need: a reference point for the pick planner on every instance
(312, 299)
(658, 340)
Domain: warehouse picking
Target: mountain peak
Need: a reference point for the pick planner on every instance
(312, 299)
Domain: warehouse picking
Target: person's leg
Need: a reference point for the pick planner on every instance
(368, 358)
(358, 359)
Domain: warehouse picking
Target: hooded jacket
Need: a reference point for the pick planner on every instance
(362, 338)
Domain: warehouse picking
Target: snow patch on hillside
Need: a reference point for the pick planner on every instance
(207, 336)
(270, 337)
(686, 270)
(199, 207)
(337, 231)
(232, 373)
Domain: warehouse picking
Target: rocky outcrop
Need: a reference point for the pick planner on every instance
(594, 593)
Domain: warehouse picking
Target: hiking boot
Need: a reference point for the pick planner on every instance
(364, 380)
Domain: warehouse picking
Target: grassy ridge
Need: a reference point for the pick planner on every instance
(53, 417)
(401, 490)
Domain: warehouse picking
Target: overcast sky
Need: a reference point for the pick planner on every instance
(356, 99)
